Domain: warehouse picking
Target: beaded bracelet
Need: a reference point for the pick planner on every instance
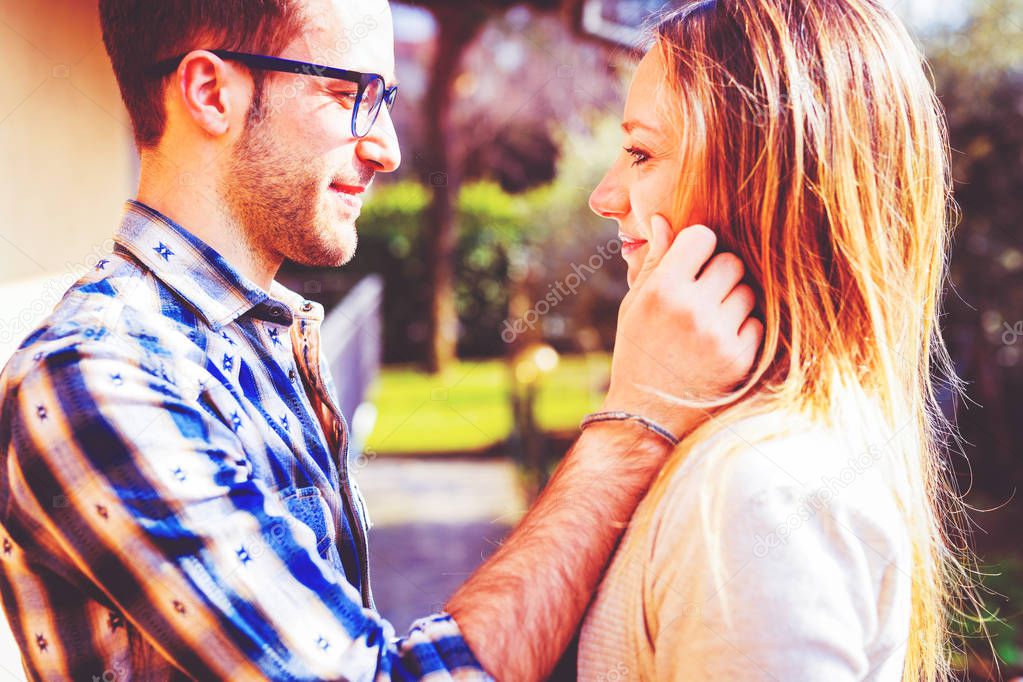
(647, 424)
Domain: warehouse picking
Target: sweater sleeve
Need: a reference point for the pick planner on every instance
(767, 566)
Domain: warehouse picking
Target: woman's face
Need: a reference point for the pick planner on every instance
(645, 177)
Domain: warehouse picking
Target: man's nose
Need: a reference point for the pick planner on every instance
(379, 148)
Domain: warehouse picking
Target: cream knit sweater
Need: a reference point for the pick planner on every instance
(781, 560)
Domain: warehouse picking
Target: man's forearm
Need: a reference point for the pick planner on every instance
(520, 610)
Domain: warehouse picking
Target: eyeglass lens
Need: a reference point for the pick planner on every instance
(369, 106)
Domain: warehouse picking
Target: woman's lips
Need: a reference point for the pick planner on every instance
(630, 244)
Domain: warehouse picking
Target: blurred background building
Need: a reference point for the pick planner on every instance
(508, 116)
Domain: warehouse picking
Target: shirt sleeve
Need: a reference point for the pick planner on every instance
(756, 575)
(160, 510)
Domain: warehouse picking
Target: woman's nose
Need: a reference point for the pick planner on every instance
(609, 199)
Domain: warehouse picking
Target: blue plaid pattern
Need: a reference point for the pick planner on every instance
(175, 496)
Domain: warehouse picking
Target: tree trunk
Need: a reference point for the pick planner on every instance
(456, 29)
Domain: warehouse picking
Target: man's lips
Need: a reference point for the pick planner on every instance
(347, 189)
(630, 244)
(349, 194)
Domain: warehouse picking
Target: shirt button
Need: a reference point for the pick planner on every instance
(291, 374)
(307, 306)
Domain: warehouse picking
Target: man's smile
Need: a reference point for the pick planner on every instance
(348, 194)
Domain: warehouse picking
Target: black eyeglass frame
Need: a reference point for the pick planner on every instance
(282, 65)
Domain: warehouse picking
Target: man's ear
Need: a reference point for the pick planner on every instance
(213, 92)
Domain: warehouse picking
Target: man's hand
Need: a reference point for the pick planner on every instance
(682, 333)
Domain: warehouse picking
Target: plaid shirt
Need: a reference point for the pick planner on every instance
(175, 494)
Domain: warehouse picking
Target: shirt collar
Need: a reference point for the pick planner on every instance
(189, 266)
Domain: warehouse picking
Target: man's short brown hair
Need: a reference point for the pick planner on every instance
(140, 33)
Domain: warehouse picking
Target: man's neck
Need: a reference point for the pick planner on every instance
(197, 206)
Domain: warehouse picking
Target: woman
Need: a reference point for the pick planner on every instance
(799, 534)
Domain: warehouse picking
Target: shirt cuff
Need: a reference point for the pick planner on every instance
(436, 647)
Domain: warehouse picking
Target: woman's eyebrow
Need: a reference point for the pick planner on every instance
(630, 125)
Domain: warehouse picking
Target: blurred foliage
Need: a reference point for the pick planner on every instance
(978, 75)
(997, 633)
(504, 240)
(1005, 584)
(391, 234)
(566, 234)
(524, 80)
(978, 72)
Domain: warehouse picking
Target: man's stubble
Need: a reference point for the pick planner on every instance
(278, 199)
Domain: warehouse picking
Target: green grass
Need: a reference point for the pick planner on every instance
(468, 406)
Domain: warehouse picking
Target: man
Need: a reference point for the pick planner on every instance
(176, 497)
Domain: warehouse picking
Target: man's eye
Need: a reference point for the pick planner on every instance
(639, 156)
(347, 99)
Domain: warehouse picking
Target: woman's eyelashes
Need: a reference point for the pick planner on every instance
(638, 155)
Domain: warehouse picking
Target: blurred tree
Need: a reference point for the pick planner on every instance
(524, 81)
(978, 71)
(392, 227)
(533, 245)
(459, 24)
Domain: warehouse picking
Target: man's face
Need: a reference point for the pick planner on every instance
(297, 173)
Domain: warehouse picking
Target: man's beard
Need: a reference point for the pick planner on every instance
(277, 199)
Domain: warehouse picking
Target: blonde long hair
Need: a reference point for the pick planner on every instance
(817, 150)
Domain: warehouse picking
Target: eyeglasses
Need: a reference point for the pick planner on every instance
(372, 94)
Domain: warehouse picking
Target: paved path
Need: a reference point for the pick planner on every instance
(434, 521)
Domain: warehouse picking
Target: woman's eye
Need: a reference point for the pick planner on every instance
(638, 155)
